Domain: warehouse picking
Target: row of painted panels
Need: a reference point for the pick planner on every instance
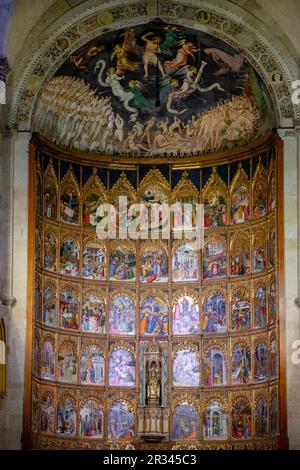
(185, 364)
(245, 252)
(217, 309)
(89, 419)
(240, 203)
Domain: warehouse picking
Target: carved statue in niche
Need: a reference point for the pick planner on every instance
(152, 426)
(153, 383)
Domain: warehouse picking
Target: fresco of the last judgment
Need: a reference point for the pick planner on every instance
(154, 89)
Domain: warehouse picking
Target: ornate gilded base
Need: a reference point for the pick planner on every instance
(39, 441)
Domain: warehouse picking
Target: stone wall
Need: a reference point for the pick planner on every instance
(13, 268)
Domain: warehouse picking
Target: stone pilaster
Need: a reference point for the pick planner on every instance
(291, 162)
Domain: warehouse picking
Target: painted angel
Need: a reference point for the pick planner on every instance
(112, 81)
(189, 85)
(187, 49)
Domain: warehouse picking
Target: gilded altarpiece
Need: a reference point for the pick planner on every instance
(121, 325)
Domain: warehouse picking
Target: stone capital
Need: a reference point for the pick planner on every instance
(288, 132)
(4, 68)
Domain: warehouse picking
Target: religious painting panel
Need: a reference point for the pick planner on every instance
(185, 262)
(94, 195)
(69, 199)
(38, 189)
(94, 260)
(240, 308)
(215, 420)
(274, 414)
(185, 319)
(258, 249)
(38, 245)
(184, 202)
(165, 373)
(92, 368)
(66, 415)
(122, 262)
(142, 374)
(91, 419)
(120, 421)
(261, 417)
(215, 201)
(69, 307)
(35, 407)
(241, 419)
(260, 304)
(186, 422)
(121, 368)
(272, 196)
(50, 249)
(38, 297)
(93, 311)
(240, 197)
(50, 202)
(154, 317)
(50, 302)
(69, 255)
(259, 192)
(240, 253)
(154, 263)
(122, 314)
(273, 356)
(186, 369)
(36, 357)
(124, 213)
(215, 369)
(214, 259)
(48, 358)
(272, 299)
(47, 412)
(241, 363)
(260, 361)
(154, 191)
(50, 192)
(214, 310)
(67, 361)
(272, 244)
